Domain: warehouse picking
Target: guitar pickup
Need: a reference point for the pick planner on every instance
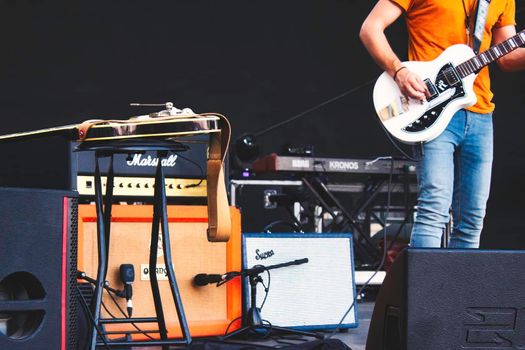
(431, 89)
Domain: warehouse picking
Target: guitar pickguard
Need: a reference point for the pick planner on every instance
(449, 86)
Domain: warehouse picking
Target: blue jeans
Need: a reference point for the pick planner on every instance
(455, 171)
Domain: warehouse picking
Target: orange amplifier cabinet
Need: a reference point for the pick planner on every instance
(209, 309)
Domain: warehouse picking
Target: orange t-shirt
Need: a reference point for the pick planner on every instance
(434, 25)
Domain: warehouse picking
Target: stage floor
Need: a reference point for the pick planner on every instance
(355, 338)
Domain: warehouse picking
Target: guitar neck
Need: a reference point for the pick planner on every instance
(495, 52)
(69, 131)
(99, 130)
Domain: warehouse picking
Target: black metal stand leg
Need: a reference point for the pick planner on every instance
(108, 204)
(162, 213)
(153, 270)
(254, 321)
(160, 217)
(103, 233)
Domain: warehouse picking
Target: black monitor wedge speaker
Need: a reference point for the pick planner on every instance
(435, 299)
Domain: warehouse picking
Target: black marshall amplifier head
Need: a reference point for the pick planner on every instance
(51, 162)
(188, 164)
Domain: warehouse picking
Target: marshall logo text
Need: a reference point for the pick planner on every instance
(149, 161)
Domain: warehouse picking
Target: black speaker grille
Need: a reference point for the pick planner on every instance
(73, 300)
(35, 226)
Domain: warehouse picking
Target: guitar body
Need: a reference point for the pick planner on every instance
(163, 127)
(413, 121)
(107, 130)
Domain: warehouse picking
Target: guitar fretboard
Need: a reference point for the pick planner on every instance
(497, 51)
(68, 130)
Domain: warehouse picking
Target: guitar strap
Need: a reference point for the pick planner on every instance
(219, 221)
(479, 24)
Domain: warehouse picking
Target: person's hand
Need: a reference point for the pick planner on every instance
(411, 84)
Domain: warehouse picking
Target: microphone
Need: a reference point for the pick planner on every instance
(257, 269)
(203, 279)
(127, 276)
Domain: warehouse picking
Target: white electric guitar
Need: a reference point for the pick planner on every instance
(449, 79)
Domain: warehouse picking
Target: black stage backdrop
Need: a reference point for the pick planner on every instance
(258, 62)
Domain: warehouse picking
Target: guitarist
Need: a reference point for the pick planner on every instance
(455, 168)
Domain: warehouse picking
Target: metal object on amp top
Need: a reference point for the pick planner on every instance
(170, 111)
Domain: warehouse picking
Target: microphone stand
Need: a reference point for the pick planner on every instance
(253, 320)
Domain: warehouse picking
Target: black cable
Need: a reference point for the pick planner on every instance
(322, 104)
(281, 338)
(266, 335)
(118, 306)
(398, 232)
(266, 289)
(109, 291)
(287, 339)
(107, 310)
(383, 259)
(293, 225)
(230, 324)
(396, 145)
(127, 316)
(84, 304)
(200, 169)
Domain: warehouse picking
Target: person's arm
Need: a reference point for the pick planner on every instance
(373, 37)
(513, 61)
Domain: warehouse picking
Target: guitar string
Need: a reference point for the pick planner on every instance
(490, 55)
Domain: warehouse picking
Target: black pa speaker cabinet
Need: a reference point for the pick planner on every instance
(437, 299)
(38, 237)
